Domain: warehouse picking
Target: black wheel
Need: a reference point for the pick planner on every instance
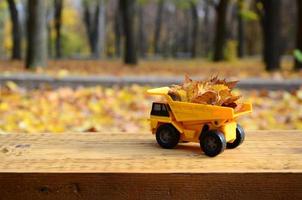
(212, 143)
(167, 136)
(240, 135)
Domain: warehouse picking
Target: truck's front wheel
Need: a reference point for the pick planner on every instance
(167, 136)
(212, 143)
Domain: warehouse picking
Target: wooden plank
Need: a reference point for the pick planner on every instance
(270, 151)
(132, 166)
(151, 186)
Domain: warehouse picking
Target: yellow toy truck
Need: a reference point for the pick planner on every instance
(214, 127)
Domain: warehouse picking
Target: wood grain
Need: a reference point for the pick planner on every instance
(151, 186)
(270, 151)
(132, 166)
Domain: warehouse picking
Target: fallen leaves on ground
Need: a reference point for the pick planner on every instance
(274, 110)
(167, 67)
(214, 91)
(122, 109)
(65, 109)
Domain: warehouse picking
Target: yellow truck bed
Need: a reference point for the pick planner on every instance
(184, 111)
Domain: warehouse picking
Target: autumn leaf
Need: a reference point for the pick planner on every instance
(208, 97)
(214, 91)
(127, 108)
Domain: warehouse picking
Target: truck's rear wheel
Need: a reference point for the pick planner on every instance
(212, 143)
(240, 135)
(167, 136)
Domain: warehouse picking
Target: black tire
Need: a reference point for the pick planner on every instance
(212, 143)
(240, 135)
(167, 136)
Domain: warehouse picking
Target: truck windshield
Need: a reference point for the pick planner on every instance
(159, 109)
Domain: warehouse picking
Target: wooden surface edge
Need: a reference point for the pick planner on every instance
(256, 171)
(263, 151)
(151, 186)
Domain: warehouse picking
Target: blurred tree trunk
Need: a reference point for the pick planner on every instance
(195, 26)
(49, 40)
(271, 21)
(298, 65)
(118, 31)
(49, 19)
(58, 5)
(141, 32)
(95, 27)
(16, 30)
(240, 34)
(2, 22)
(102, 26)
(158, 25)
(184, 42)
(127, 8)
(205, 29)
(220, 37)
(178, 33)
(36, 34)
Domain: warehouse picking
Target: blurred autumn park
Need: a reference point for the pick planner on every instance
(138, 40)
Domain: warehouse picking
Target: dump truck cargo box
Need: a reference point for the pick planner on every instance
(184, 111)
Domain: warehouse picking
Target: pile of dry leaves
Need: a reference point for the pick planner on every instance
(123, 109)
(214, 91)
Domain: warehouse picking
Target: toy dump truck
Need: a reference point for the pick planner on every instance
(214, 127)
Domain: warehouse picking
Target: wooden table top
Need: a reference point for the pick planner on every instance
(262, 151)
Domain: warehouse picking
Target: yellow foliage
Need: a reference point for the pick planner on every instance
(8, 42)
(70, 16)
(126, 109)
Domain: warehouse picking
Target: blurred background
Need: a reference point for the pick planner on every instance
(84, 65)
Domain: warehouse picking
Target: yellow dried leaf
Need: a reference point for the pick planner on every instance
(12, 86)
(219, 87)
(214, 92)
(231, 84)
(208, 97)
